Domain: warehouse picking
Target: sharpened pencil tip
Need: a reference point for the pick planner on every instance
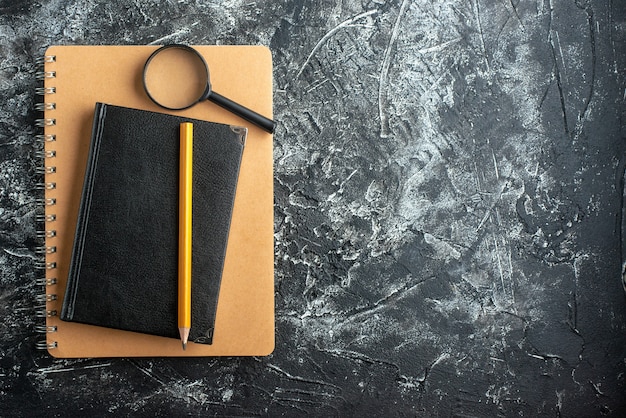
(184, 336)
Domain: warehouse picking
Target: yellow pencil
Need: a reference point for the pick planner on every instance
(184, 232)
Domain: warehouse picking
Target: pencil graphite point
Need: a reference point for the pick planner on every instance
(184, 336)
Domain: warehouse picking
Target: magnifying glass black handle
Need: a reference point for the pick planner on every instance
(251, 116)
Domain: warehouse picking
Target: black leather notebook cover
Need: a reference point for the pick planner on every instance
(123, 272)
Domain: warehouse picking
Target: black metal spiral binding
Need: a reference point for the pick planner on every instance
(46, 264)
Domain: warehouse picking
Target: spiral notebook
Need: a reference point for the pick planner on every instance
(75, 78)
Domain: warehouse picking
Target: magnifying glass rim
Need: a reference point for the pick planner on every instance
(205, 93)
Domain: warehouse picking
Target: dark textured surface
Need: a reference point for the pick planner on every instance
(448, 183)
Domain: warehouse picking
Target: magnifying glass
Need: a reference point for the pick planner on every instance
(176, 77)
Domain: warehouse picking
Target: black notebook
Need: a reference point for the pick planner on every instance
(123, 271)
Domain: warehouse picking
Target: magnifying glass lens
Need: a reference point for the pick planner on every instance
(176, 78)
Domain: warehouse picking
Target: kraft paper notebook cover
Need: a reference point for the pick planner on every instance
(76, 77)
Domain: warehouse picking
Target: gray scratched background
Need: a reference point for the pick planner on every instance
(448, 183)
